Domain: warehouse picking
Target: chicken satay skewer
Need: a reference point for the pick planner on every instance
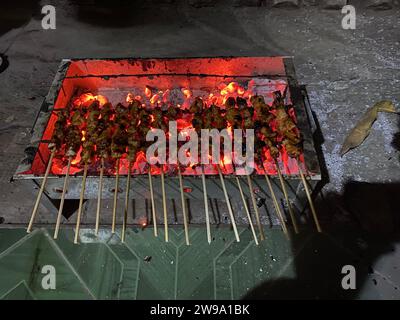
(247, 210)
(308, 193)
(285, 193)
(57, 139)
(78, 219)
(87, 154)
(99, 196)
(39, 196)
(128, 187)
(203, 180)
(115, 200)
(153, 206)
(183, 200)
(164, 204)
(118, 148)
(276, 204)
(198, 109)
(232, 217)
(254, 202)
(103, 146)
(60, 209)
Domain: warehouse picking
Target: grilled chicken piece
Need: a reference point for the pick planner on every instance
(293, 150)
(59, 132)
(241, 103)
(73, 140)
(119, 142)
(106, 111)
(285, 125)
(247, 116)
(197, 106)
(78, 118)
(232, 114)
(261, 109)
(218, 121)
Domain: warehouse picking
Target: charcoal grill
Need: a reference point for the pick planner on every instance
(117, 78)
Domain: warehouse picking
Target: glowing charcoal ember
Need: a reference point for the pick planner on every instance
(85, 99)
(130, 97)
(147, 92)
(230, 105)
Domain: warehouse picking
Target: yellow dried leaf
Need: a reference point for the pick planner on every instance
(362, 129)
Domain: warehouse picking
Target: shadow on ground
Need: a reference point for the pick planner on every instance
(365, 222)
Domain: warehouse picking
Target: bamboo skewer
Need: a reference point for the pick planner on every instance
(60, 209)
(164, 205)
(153, 206)
(228, 204)
(247, 211)
(276, 204)
(78, 219)
(203, 179)
(114, 212)
(314, 213)
(254, 202)
(39, 196)
(185, 217)
(99, 196)
(128, 186)
(285, 193)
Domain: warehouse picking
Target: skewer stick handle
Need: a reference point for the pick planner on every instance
(60, 209)
(39, 196)
(247, 211)
(128, 186)
(253, 200)
(99, 195)
(276, 204)
(314, 213)
(78, 219)
(185, 218)
(285, 193)
(164, 205)
(153, 206)
(228, 204)
(203, 179)
(114, 213)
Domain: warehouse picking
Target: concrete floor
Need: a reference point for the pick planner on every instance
(345, 72)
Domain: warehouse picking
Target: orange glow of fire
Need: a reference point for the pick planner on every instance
(147, 92)
(186, 92)
(143, 221)
(77, 158)
(87, 97)
(230, 88)
(130, 97)
(154, 99)
(83, 135)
